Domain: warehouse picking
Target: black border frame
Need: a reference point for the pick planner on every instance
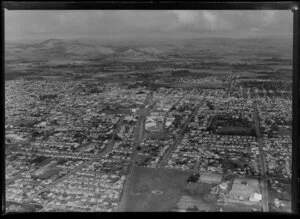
(149, 5)
(296, 114)
(180, 5)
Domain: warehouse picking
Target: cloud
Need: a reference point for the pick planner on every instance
(200, 21)
(216, 22)
(254, 29)
(269, 17)
(186, 17)
(211, 19)
(141, 23)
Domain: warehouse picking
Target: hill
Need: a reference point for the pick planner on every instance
(58, 48)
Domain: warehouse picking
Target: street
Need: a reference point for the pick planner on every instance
(94, 158)
(137, 140)
(264, 182)
(179, 137)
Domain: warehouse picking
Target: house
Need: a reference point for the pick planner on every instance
(256, 197)
(223, 185)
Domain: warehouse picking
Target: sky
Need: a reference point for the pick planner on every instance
(118, 24)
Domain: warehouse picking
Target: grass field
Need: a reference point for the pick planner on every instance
(163, 190)
(198, 194)
(145, 180)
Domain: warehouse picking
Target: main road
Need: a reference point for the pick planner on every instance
(264, 181)
(137, 141)
(139, 130)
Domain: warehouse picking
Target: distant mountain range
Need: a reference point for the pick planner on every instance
(57, 48)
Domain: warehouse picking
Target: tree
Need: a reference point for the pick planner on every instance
(210, 105)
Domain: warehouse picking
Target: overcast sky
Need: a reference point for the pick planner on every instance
(38, 24)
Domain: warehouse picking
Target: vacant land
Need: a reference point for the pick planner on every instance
(154, 190)
(199, 196)
(145, 180)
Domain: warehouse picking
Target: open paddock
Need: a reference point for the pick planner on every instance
(169, 182)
